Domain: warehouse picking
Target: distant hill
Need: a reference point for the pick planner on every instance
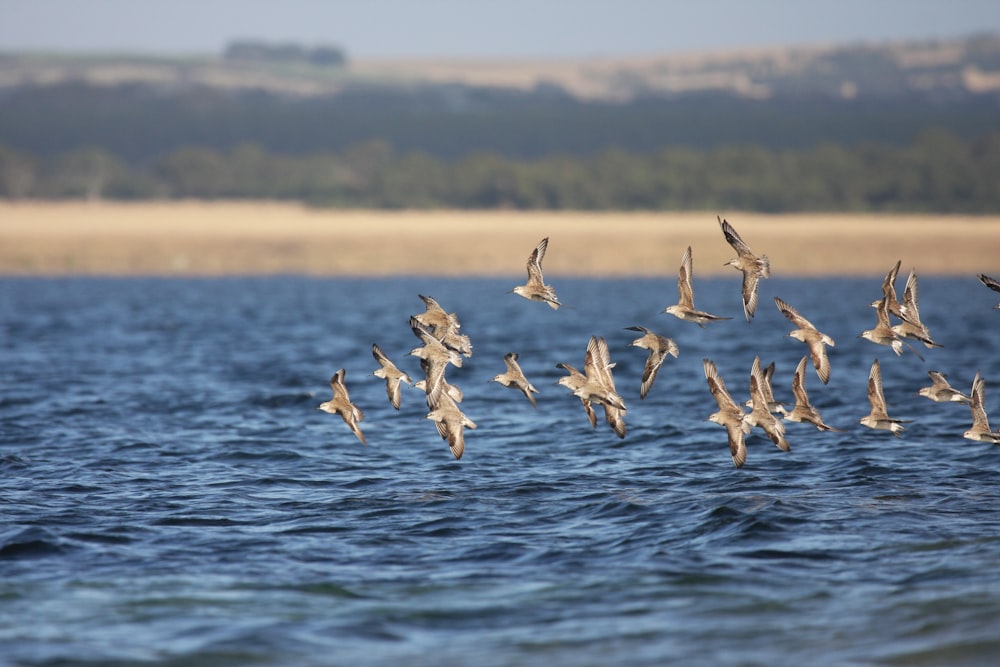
(294, 101)
(939, 68)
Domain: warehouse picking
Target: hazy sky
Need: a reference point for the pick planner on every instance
(485, 28)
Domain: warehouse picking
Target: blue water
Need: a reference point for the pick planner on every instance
(171, 495)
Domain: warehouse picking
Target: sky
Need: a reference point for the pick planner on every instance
(480, 28)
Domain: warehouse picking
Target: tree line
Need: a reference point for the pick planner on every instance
(141, 123)
(937, 172)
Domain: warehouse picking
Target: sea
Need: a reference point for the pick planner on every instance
(170, 494)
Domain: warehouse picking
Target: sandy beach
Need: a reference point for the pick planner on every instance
(234, 238)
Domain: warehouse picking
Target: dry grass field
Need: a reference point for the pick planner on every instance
(224, 238)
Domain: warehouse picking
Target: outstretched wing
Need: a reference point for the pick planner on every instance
(684, 287)
(535, 261)
(875, 396)
(989, 282)
(733, 239)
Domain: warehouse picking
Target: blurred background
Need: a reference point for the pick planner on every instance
(632, 105)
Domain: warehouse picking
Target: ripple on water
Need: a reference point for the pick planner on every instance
(187, 504)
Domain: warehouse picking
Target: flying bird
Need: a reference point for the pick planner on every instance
(444, 326)
(536, 289)
(391, 374)
(515, 379)
(684, 308)
(883, 334)
(811, 336)
(341, 404)
(753, 267)
(730, 414)
(911, 326)
(574, 381)
(659, 347)
(600, 384)
(879, 418)
(941, 390)
(760, 408)
(991, 283)
(451, 424)
(803, 410)
(980, 429)
(889, 293)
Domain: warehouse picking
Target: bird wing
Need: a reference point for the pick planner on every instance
(653, 363)
(718, 388)
(338, 386)
(534, 265)
(889, 283)
(741, 248)
(793, 315)
(737, 444)
(432, 305)
(989, 282)
(882, 313)
(979, 418)
(422, 332)
(510, 361)
(939, 379)
(393, 392)
(910, 305)
(875, 396)
(799, 384)
(685, 289)
(380, 356)
(820, 360)
(750, 281)
(758, 391)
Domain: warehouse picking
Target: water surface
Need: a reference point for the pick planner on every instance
(171, 495)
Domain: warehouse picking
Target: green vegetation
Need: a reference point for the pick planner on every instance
(938, 172)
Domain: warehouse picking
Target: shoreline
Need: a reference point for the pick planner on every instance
(196, 238)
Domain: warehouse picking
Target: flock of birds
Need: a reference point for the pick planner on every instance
(443, 345)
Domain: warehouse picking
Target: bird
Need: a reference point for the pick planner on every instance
(882, 333)
(515, 379)
(980, 429)
(433, 350)
(341, 404)
(889, 293)
(435, 317)
(454, 392)
(434, 383)
(451, 424)
(811, 336)
(753, 267)
(536, 289)
(768, 391)
(803, 410)
(444, 326)
(615, 417)
(991, 283)
(878, 418)
(760, 411)
(684, 308)
(600, 384)
(659, 347)
(574, 381)
(391, 374)
(941, 390)
(730, 414)
(911, 326)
